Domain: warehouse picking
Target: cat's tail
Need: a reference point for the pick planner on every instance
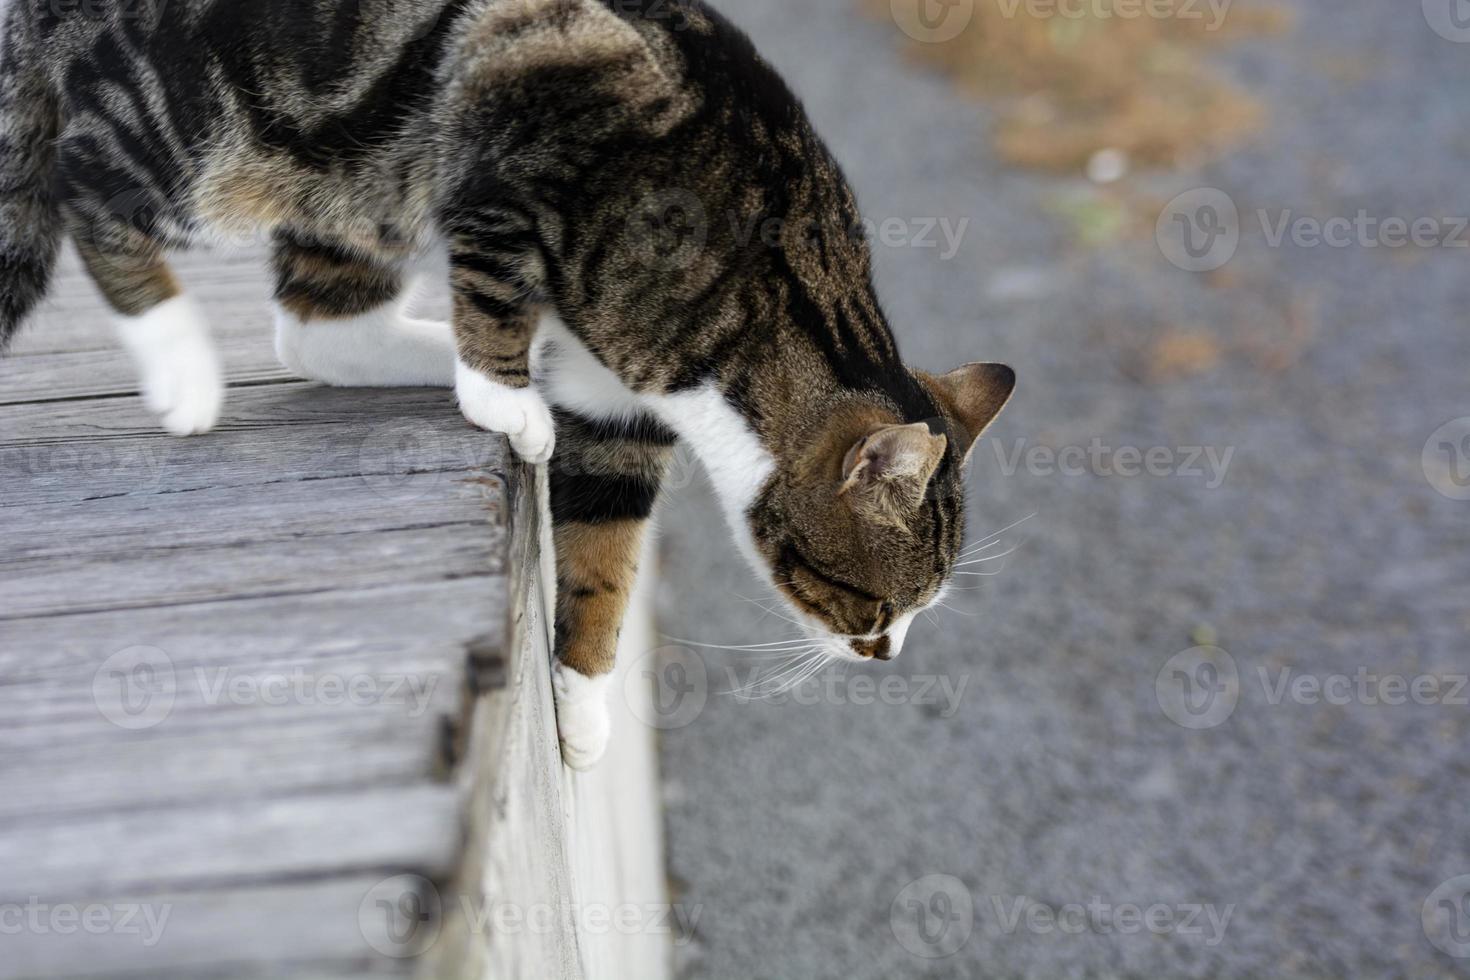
(30, 220)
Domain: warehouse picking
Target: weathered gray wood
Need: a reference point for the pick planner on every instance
(167, 577)
(234, 291)
(223, 516)
(398, 620)
(277, 406)
(389, 443)
(319, 536)
(305, 930)
(213, 845)
(76, 374)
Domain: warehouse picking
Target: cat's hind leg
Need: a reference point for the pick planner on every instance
(163, 330)
(604, 480)
(341, 319)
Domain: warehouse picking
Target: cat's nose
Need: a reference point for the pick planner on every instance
(878, 649)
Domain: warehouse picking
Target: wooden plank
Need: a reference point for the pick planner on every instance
(78, 374)
(282, 752)
(400, 617)
(311, 930)
(221, 736)
(345, 561)
(325, 578)
(87, 450)
(224, 845)
(234, 292)
(226, 516)
(284, 406)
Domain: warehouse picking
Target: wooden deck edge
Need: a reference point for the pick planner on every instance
(562, 873)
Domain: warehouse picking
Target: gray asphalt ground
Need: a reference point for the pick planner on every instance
(1055, 774)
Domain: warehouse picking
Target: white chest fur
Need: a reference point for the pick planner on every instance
(731, 453)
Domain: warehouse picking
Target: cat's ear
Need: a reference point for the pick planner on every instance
(974, 395)
(893, 463)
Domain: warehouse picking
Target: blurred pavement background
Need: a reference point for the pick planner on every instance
(1029, 759)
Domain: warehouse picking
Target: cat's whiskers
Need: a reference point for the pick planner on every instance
(977, 561)
(771, 611)
(761, 686)
(998, 542)
(817, 664)
(954, 609)
(792, 644)
(974, 547)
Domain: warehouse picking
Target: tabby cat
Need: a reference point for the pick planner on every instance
(594, 170)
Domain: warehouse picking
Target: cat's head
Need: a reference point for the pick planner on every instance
(861, 526)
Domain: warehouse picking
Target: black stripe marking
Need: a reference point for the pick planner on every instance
(590, 499)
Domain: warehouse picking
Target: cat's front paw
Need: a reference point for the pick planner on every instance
(179, 371)
(520, 413)
(582, 721)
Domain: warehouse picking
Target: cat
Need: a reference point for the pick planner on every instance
(593, 169)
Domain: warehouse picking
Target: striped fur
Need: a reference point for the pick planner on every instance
(602, 493)
(632, 166)
(30, 226)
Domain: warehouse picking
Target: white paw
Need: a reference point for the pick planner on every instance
(582, 721)
(179, 370)
(520, 413)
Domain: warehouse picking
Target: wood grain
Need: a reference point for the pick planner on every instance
(311, 583)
